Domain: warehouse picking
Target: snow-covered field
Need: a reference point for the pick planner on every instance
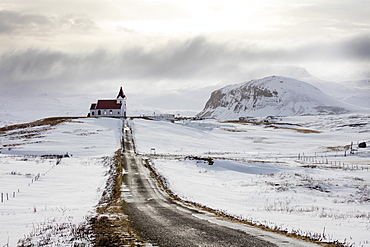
(296, 175)
(49, 195)
(290, 175)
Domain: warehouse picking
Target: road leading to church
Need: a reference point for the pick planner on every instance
(162, 222)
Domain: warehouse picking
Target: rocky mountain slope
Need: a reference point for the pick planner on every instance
(271, 96)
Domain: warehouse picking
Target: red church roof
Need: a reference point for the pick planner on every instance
(108, 104)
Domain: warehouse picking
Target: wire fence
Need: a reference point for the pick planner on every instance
(6, 196)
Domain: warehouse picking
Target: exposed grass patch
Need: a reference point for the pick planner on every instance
(310, 166)
(111, 226)
(304, 131)
(86, 134)
(208, 160)
(52, 121)
(233, 130)
(318, 187)
(276, 125)
(338, 148)
(10, 146)
(307, 131)
(26, 136)
(259, 123)
(51, 233)
(19, 134)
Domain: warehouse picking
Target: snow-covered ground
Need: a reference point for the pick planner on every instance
(292, 175)
(40, 195)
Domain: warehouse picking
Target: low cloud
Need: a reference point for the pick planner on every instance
(11, 21)
(358, 47)
(18, 23)
(177, 62)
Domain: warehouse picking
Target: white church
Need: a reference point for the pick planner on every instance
(109, 108)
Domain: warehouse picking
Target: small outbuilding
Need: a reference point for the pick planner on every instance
(362, 145)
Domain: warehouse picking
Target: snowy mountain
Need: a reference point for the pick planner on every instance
(271, 96)
(354, 92)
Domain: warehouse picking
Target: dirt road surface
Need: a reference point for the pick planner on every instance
(163, 222)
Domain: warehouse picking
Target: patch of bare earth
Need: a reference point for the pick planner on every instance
(111, 227)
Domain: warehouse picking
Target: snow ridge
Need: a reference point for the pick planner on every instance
(271, 96)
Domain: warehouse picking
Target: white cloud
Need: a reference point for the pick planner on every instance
(75, 43)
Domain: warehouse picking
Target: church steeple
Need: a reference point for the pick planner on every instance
(121, 94)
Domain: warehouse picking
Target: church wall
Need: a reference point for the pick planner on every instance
(108, 112)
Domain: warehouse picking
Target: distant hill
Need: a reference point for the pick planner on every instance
(354, 92)
(271, 96)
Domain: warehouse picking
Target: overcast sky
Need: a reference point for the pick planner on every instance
(148, 46)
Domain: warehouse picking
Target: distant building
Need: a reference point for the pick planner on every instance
(109, 108)
(162, 117)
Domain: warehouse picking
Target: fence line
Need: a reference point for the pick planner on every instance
(5, 195)
(313, 161)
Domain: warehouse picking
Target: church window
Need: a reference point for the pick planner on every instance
(99, 112)
(92, 113)
(111, 112)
